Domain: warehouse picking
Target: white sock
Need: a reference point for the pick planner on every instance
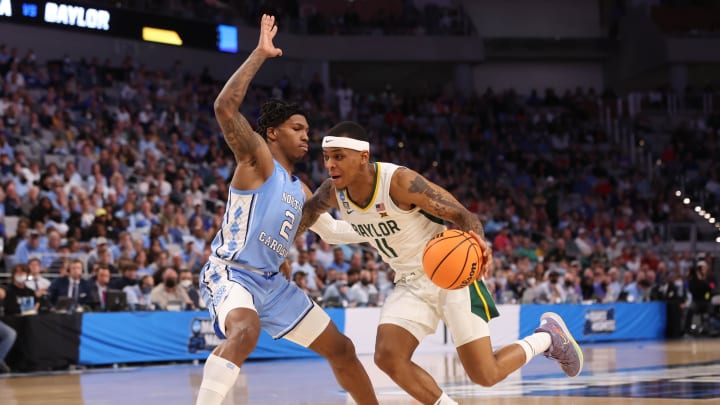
(534, 344)
(445, 400)
(219, 376)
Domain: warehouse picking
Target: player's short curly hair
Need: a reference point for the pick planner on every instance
(274, 112)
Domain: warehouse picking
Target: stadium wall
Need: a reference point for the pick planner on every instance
(525, 76)
(536, 19)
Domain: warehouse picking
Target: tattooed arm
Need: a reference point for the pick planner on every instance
(410, 189)
(316, 204)
(255, 163)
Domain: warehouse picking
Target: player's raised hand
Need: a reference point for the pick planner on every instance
(268, 30)
(487, 256)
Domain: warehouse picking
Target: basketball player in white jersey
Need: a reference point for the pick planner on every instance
(241, 282)
(398, 211)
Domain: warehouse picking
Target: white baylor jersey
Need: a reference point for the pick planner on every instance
(399, 236)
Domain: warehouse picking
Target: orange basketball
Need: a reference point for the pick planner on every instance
(452, 259)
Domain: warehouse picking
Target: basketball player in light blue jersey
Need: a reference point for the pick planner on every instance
(241, 283)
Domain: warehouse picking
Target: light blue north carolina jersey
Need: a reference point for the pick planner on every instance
(259, 226)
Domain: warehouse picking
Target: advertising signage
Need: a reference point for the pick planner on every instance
(121, 23)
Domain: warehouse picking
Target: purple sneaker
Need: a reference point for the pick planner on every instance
(563, 347)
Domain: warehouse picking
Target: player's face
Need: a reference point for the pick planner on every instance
(292, 135)
(342, 165)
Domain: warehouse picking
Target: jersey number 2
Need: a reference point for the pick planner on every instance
(287, 225)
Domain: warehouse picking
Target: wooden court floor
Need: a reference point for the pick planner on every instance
(642, 373)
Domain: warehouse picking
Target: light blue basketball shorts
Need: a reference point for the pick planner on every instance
(279, 303)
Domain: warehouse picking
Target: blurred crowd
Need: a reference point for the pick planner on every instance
(114, 178)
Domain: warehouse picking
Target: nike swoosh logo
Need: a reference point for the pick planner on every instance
(562, 334)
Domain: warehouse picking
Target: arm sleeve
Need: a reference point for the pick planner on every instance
(335, 231)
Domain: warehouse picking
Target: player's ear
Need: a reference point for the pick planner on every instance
(271, 134)
(365, 156)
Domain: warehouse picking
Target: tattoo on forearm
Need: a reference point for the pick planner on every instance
(447, 207)
(316, 205)
(238, 133)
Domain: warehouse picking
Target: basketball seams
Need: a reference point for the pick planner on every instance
(443, 236)
(449, 253)
(457, 265)
(465, 262)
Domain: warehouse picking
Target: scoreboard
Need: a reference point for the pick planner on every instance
(121, 23)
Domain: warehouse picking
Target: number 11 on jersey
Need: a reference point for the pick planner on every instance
(384, 247)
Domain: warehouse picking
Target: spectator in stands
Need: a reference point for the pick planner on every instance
(571, 288)
(29, 248)
(191, 256)
(550, 291)
(299, 278)
(124, 249)
(21, 234)
(52, 251)
(336, 293)
(587, 286)
(72, 286)
(187, 281)
(356, 261)
(101, 279)
(601, 283)
(129, 272)
(98, 254)
(142, 265)
(302, 264)
(638, 290)
(16, 290)
(559, 252)
(168, 294)
(36, 281)
(319, 271)
(339, 264)
(325, 254)
(614, 287)
(159, 264)
(363, 293)
(138, 295)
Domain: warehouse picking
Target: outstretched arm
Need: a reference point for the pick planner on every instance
(335, 231)
(250, 150)
(411, 188)
(318, 203)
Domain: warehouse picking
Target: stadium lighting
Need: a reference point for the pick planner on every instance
(678, 193)
(717, 239)
(686, 201)
(707, 215)
(698, 208)
(711, 220)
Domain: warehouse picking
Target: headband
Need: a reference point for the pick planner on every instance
(347, 143)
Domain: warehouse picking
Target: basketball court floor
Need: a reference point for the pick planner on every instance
(641, 373)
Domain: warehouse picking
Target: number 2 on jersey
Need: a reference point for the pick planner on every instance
(287, 225)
